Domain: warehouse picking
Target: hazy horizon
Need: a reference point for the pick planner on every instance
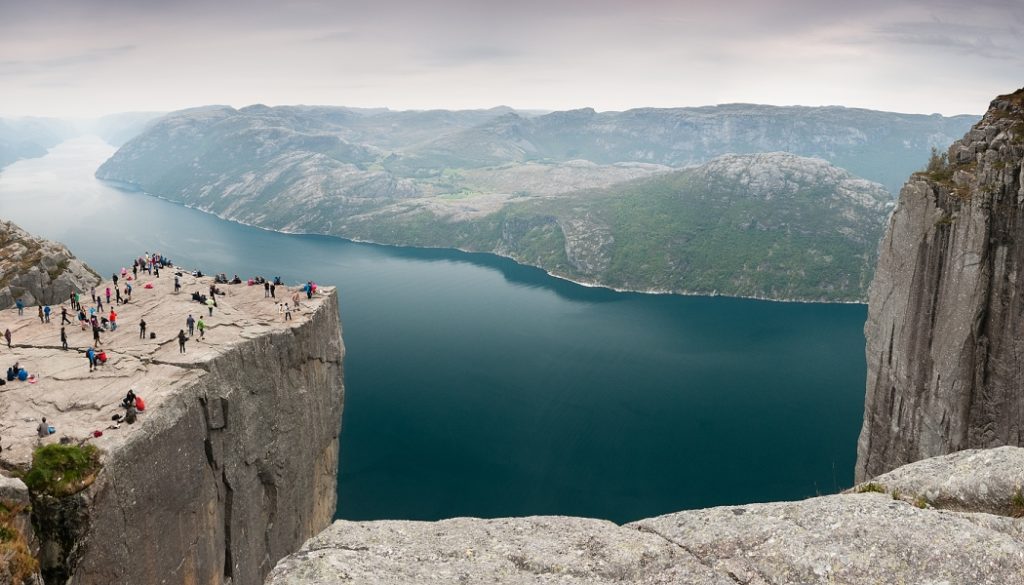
(87, 58)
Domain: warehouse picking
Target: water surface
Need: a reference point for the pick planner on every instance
(477, 387)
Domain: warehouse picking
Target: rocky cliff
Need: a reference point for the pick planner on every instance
(234, 462)
(38, 270)
(953, 519)
(945, 333)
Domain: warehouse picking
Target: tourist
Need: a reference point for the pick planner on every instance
(266, 289)
(99, 304)
(295, 299)
(142, 328)
(309, 289)
(181, 340)
(287, 312)
(210, 304)
(7, 336)
(21, 307)
(114, 277)
(64, 315)
(95, 333)
(108, 295)
(41, 314)
(117, 292)
(63, 337)
(71, 298)
(113, 320)
(46, 314)
(191, 323)
(177, 284)
(43, 430)
(129, 399)
(93, 291)
(272, 289)
(202, 328)
(90, 354)
(135, 270)
(156, 270)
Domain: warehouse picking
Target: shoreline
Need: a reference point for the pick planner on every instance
(132, 187)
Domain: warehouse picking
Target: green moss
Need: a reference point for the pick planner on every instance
(921, 502)
(871, 487)
(62, 470)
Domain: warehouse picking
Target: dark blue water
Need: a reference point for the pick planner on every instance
(476, 387)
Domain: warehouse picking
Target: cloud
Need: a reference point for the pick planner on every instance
(18, 67)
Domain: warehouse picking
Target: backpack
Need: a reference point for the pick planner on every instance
(139, 403)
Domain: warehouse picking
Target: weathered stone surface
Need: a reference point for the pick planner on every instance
(975, 480)
(944, 331)
(855, 538)
(508, 550)
(234, 462)
(38, 271)
(852, 538)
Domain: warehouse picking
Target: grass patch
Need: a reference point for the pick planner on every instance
(1017, 504)
(62, 470)
(921, 502)
(14, 551)
(871, 487)
(896, 494)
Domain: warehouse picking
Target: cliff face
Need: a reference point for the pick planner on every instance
(37, 270)
(945, 333)
(234, 472)
(922, 525)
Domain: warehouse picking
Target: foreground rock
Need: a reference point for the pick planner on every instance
(37, 270)
(234, 462)
(848, 538)
(944, 322)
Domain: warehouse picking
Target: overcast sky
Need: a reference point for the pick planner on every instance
(91, 57)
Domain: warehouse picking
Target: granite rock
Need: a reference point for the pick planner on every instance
(944, 331)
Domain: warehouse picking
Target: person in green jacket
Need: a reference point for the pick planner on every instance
(202, 328)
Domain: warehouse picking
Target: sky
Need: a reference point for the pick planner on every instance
(83, 58)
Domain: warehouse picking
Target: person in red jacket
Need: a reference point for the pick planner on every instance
(113, 320)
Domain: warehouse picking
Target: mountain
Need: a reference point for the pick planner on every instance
(769, 225)
(451, 178)
(881, 146)
(30, 137)
(116, 129)
(944, 314)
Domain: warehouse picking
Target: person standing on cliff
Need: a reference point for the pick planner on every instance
(46, 314)
(21, 307)
(41, 314)
(64, 315)
(287, 312)
(142, 328)
(177, 284)
(7, 336)
(202, 328)
(181, 340)
(191, 324)
(266, 289)
(273, 287)
(114, 278)
(63, 338)
(113, 320)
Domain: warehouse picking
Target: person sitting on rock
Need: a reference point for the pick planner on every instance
(43, 430)
(129, 399)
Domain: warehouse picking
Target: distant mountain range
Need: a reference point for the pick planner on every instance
(678, 200)
(31, 137)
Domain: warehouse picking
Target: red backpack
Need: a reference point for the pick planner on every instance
(139, 404)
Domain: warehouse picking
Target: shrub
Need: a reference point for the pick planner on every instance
(921, 502)
(62, 470)
(870, 487)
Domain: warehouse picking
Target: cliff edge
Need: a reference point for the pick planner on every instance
(945, 335)
(953, 519)
(232, 465)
